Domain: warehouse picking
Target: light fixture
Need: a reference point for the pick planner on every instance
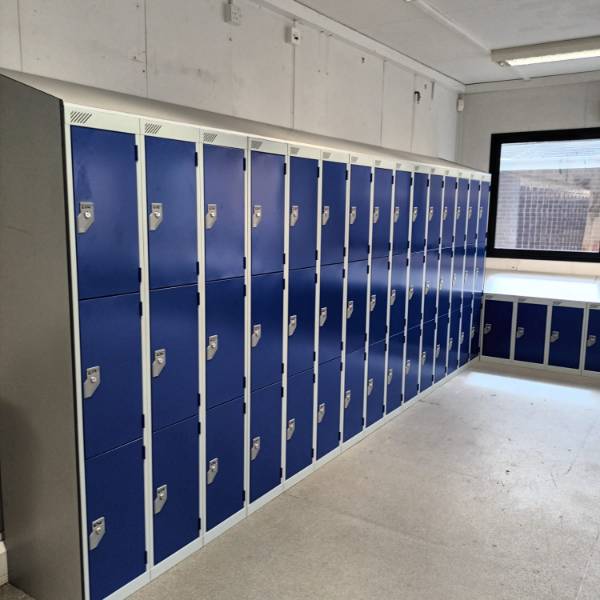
(549, 52)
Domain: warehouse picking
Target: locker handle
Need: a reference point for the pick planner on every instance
(256, 215)
(450, 343)
(160, 499)
(469, 212)
(373, 302)
(375, 214)
(431, 211)
(325, 215)
(392, 297)
(92, 381)
(322, 316)
(423, 358)
(415, 212)
(292, 324)
(396, 213)
(211, 216)
(156, 216)
(437, 350)
(390, 376)
(407, 367)
(291, 429)
(441, 284)
(487, 328)
(411, 292)
(86, 216)
(462, 337)
(349, 308)
(159, 362)
(213, 470)
(520, 332)
(256, 334)
(352, 215)
(427, 286)
(213, 346)
(554, 336)
(255, 449)
(97, 533)
(321, 412)
(480, 212)
(473, 332)
(458, 212)
(445, 213)
(347, 398)
(591, 341)
(370, 386)
(294, 215)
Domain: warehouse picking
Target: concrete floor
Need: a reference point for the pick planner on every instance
(489, 488)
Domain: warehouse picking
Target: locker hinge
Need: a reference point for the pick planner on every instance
(145, 557)
(244, 263)
(244, 384)
(282, 393)
(136, 153)
(244, 290)
(244, 164)
(368, 248)
(468, 186)
(314, 356)
(244, 407)
(443, 184)
(362, 421)
(199, 524)
(316, 278)
(197, 268)
(407, 261)
(139, 274)
(368, 269)
(198, 298)
(385, 345)
(316, 255)
(141, 309)
(199, 428)
(143, 452)
(344, 251)
(392, 180)
(199, 399)
(318, 172)
(456, 185)
(143, 422)
(432, 379)
(314, 378)
(339, 436)
(341, 364)
(371, 177)
(342, 346)
(284, 258)
(389, 246)
(424, 254)
(243, 495)
(428, 182)
(283, 284)
(365, 355)
(389, 265)
(285, 168)
(343, 273)
(365, 336)
(346, 180)
(282, 368)
(411, 181)
(195, 159)
(312, 450)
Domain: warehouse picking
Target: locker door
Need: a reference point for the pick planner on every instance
(565, 336)
(448, 212)
(458, 274)
(328, 407)
(497, 321)
(265, 441)
(415, 290)
(376, 382)
(479, 272)
(304, 186)
(111, 365)
(462, 202)
(431, 282)
(398, 293)
(301, 320)
(419, 210)
(382, 205)
(115, 518)
(299, 427)
(330, 312)
(476, 324)
(592, 351)
(402, 217)
(394, 372)
(176, 487)
(530, 335)
(445, 282)
(441, 347)
(360, 202)
(333, 216)
(484, 204)
(411, 363)
(171, 206)
(469, 275)
(465, 334)
(224, 210)
(106, 211)
(427, 356)
(224, 340)
(266, 329)
(224, 461)
(356, 316)
(174, 354)
(473, 214)
(434, 212)
(354, 393)
(378, 299)
(267, 212)
(453, 341)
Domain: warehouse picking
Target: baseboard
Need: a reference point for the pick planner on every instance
(3, 564)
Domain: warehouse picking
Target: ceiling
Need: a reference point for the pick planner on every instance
(455, 36)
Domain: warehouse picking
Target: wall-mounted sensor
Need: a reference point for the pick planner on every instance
(417, 96)
(233, 14)
(294, 36)
(460, 104)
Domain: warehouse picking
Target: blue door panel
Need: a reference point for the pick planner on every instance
(176, 465)
(434, 213)
(419, 213)
(441, 347)
(445, 281)
(484, 205)
(331, 300)
(265, 441)
(497, 323)
(225, 456)
(376, 382)
(354, 393)
(530, 336)
(398, 294)
(592, 352)
(411, 363)
(304, 188)
(224, 191)
(465, 334)
(453, 341)
(394, 372)
(382, 206)
(104, 174)
(301, 309)
(458, 274)
(360, 203)
(469, 276)
(431, 283)
(479, 272)
(476, 324)
(171, 182)
(401, 217)
(334, 203)
(567, 322)
(448, 212)
(462, 202)
(268, 200)
(415, 290)
(267, 313)
(473, 214)
(299, 445)
(356, 316)
(115, 493)
(328, 407)
(427, 355)
(110, 337)
(378, 300)
(225, 320)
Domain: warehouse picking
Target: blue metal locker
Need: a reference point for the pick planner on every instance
(382, 206)
(445, 281)
(356, 315)
(402, 218)
(106, 211)
(415, 290)
(394, 372)
(476, 324)
(473, 214)
(115, 518)
(171, 206)
(328, 407)
(448, 212)
(431, 283)
(565, 336)
(330, 312)
(441, 347)
(592, 347)
(465, 333)
(266, 329)
(360, 202)
(111, 371)
(176, 487)
(265, 441)
(427, 356)
(354, 393)
(224, 340)
(530, 335)
(174, 354)
(378, 299)
(411, 363)
(333, 212)
(225, 493)
(434, 212)
(267, 212)
(224, 210)
(376, 382)
(484, 205)
(419, 212)
(398, 293)
(453, 341)
(462, 202)
(301, 320)
(497, 324)
(304, 188)
(299, 426)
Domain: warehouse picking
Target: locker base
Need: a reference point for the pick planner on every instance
(264, 499)
(216, 531)
(175, 558)
(354, 440)
(325, 459)
(540, 367)
(131, 587)
(298, 477)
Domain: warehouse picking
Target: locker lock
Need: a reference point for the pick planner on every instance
(256, 334)
(450, 343)
(472, 332)
(396, 213)
(411, 292)
(480, 212)
(291, 429)
(554, 336)
(375, 214)
(437, 351)
(453, 279)
(462, 337)
(423, 358)
(427, 287)
(352, 215)
(407, 367)
(370, 385)
(469, 212)
(255, 448)
(441, 284)
(591, 341)
(211, 216)
(458, 212)
(392, 297)
(256, 215)
(92, 381)
(325, 215)
(322, 316)
(213, 470)
(292, 324)
(156, 216)
(390, 376)
(347, 398)
(349, 308)
(373, 302)
(294, 214)
(160, 499)
(321, 412)
(213, 346)
(431, 211)
(86, 216)
(159, 362)
(520, 332)
(97, 533)
(487, 328)
(415, 213)
(445, 213)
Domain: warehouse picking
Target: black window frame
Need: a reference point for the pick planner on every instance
(555, 135)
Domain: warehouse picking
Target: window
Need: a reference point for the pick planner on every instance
(546, 195)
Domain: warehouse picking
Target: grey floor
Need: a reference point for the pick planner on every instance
(489, 488)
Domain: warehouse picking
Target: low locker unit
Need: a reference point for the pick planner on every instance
(328, 407)
(376, 382)
(354, 387)
(497, 325)
(566, 327)
(394, 375)
(530, 331)
(359, 217)
(299, 425)
(592, 340)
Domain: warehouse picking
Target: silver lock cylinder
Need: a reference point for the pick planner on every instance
(437, 350)
(292, 324)
(256, 215)
(213, 470)
(325, 216)
(255, 448)
(213, 346)
(441, 284)
(256, 334)
(294, 215)
(211, 216)
(445, 213)
(591, 341)
(462, 337)
(423, 358)
(92, 381)
(375, 214)
(427, 287)
(407, 367)
(472, 332)
(411, 292)
(392, 297)
(415, 213)
(97, 532)
(322, 316)
(458, 212)
(431, 211)
(370, 386)
(450, 343)
(469, 212)
(480, 212)
(85, 217)
(520, 332)
(159, 362)
(353, 214)
(291, 429)
(160, 499)
(554, 336)
(349, 308)
(487, 328)
(321, 412)
(156, 216)
(372, 302)
(396, 213)
(390, 375)
(347, 398)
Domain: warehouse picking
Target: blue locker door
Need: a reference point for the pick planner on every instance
(445, 282)
(427, 355)
(431, 283)
(415, 290)
(111, 371)
(465, 333)
(304, 187)
(497, 324)
(266, 329)
(394, 372)
(301, 320)
(398, 294)
(476, 324)
(458, 274)
(453, 341)
(328, 407)
(448, 212)
(224, 209)
(354, 393)
(224, 461)
(473, 214)
(171, 206)
(360, 202)
(299, 427)
(441, 347)
(462, 202)
(479, 272)
(434, 213)
(382, 206)
(378, 299)
(469, 275)
(176, 487)
(565, 336)
(224, 340)
(356, 316)
(115, 518)
(333, 215)
(376, 383)
(265, 441)
(484, 205)
(411, 363)
(330, 312)
(106, 211)
(592, 352)
(174, 354)
(530, 335)
(267, 212)
(401, 217)
(419, 210)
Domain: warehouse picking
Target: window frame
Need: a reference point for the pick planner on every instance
(555, 135)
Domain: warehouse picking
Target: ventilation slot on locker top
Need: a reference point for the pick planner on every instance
(79, 117)
(152, 128)
(209, 138)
